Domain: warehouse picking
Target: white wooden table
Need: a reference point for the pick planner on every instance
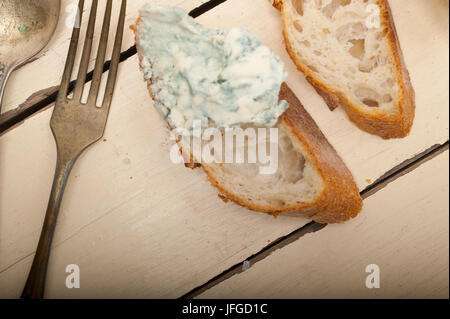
(139, 226)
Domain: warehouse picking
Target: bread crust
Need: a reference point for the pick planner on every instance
(339, 199)
(387, 126)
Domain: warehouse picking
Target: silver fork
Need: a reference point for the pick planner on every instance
(75, 126)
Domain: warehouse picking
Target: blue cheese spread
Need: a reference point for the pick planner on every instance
(222, 78)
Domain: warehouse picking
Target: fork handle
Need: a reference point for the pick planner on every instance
(34, 287)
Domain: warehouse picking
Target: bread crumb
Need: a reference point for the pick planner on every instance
(224, 198)
(192, 165)
(369, 181)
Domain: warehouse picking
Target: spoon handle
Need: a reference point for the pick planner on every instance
(4, 74)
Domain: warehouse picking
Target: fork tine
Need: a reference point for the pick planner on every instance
(115, 58)
(95, 84)
(62, 94)
(86, 53)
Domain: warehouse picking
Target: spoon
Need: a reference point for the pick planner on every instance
(26, 27)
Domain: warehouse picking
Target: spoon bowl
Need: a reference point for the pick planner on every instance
(26, 27)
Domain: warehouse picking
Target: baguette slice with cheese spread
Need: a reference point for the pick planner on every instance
(350, 52)
(311, 179)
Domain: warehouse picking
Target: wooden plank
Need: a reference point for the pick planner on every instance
(404, 168)
(241, 267)
(30, 79)
(137, 225)
(404, 230)
(380, 184)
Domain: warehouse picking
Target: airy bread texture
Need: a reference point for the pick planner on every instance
(311, 179)
(352, 60)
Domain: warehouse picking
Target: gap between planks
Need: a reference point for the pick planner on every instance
(395, 173)
(42, 99)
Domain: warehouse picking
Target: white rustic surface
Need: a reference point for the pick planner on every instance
(404, 230)
(139, 226)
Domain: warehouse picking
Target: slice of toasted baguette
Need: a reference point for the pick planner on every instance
(352, 60)
(311, 179)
